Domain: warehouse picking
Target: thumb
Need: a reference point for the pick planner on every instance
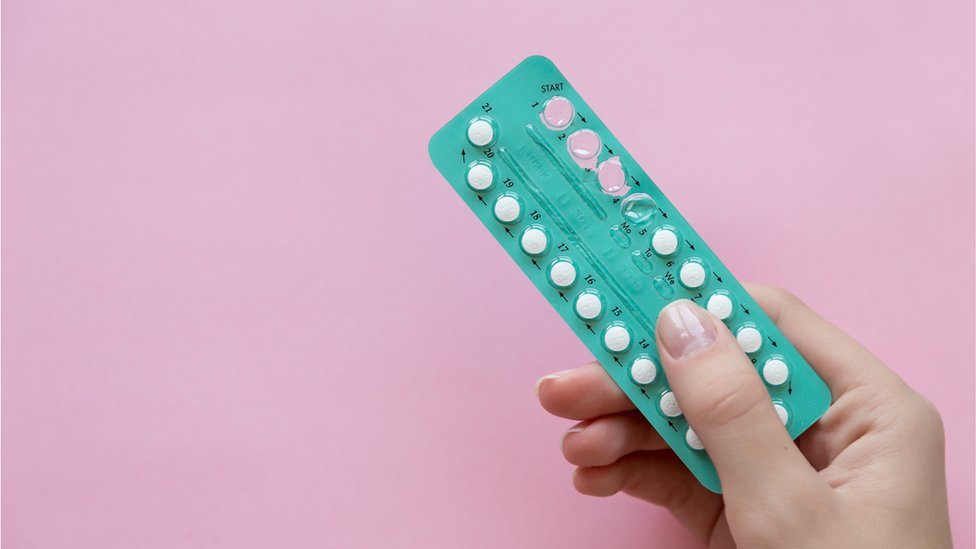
(726, 403)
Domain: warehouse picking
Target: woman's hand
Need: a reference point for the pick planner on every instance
(870, 473)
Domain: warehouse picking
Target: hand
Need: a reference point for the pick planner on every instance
(870, 473)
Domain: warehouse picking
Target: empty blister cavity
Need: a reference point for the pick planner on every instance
(749, 337)
(589, 305)
(562, 272)
(665, 241)
(638, 208)
(480, 176)
(508, 208)
(535, 240)
(619, 236)
(558, 113)
(584, 148)
(616, 338)
(643, 370)
(775, 371)
(482, 131)
(641, 262)
(720, 304)
(612, 177)
(663, 287)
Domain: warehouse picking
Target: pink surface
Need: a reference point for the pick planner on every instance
(220, 332)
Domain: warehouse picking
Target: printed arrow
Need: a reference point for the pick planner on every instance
(773, 341)
(482, 199)
(590, 328)
(509, 232)
(617, 360)
(636, 182)
(744, 308)
(690, 245)
(536, 265)
(671, 425)
(563, 296)
(645, 394)
(716, 276)
(462, 155)
(609, 150)
(789, 388)
(665, 214)
(581, 117)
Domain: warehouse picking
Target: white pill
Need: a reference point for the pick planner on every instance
(480, 177)
(562, 274)
(664, 242)
(481, 133)
(749, 338)
(781, 411)
(775, 371)
(643, 371)
(669, 405)
(720, 305)
(616, 339)
(534, 241)
(589, 306)
(693, 441)
(507, 209)
(692, 275)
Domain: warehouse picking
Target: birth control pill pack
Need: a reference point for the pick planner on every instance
(605, 247)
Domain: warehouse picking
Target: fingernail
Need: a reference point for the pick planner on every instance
(685, 328)
(576, 429)
(546, 378)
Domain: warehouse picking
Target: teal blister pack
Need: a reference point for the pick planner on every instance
(604, 245)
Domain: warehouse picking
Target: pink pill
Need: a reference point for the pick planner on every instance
(558, 113)
(611, 175)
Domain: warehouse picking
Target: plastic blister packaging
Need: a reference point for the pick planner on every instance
(605, 247)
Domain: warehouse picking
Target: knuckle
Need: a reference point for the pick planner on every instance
(927, 417)
(726, 400)
(784, 297)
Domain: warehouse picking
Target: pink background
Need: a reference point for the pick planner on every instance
(241, 309)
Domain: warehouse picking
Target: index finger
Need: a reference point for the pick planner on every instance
(841, 361)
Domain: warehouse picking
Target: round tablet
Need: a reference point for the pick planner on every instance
(643, 371)
(508, 208)
(720, 305)
(664, 242)
(611, 175)
(562, 273)
(534, 240)
(481, 132)
(693, 441)
(480, 176)
(669, 405)
(782, 412)
(692, 275)
(749, 338)
(638, 208)
(589, 305)
(775, 371)
(616, 338)
(558, 113)
(584, 144)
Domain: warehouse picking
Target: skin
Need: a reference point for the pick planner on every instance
(870, 473)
